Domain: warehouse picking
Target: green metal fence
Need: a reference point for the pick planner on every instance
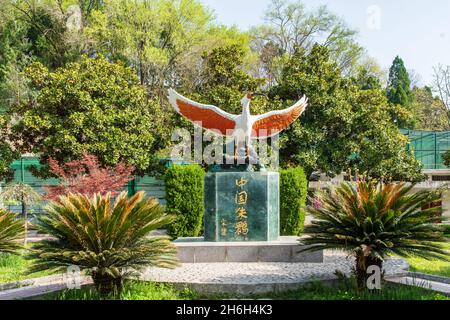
(429, 146)
(152, 186)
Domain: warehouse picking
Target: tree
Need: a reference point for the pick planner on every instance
(86, 176)
(343, 126)
(446, 158)
(25, 195)
(7, 153)
(372, 220)
(399, 89)
(442, 83)
(49, 39)
(288, 25)
(369, 75)
(110, 241)
(15, 54)
(90, 106)
(222, 81)
(162, 40)
(430, 111)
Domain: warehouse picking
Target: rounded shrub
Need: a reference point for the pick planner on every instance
(293, 193)
(184, 196)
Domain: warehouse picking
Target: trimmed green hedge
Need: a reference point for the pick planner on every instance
(184, 196)
(293, 193)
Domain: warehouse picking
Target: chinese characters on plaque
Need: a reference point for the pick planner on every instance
(241, 198)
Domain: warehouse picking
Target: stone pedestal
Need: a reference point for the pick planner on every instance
(241, 206)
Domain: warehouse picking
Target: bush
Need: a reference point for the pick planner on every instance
(11, 230)
(372, 220)
(184, 195)
(108, 240)
(446, 158)
(293, 192)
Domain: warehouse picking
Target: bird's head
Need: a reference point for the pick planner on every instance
(247, 98)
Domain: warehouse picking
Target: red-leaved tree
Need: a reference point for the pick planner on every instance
(87, 176)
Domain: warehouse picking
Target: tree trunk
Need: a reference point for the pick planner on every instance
(362, 263)
(106, 284)
(25, 216)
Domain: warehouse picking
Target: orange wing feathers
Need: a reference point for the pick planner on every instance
(208, 118)
(275, 123)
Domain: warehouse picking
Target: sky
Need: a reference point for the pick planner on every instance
(416, 30)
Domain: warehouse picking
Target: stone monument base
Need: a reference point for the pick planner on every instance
(196, 250)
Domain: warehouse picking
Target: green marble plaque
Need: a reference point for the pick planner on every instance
(241, 206)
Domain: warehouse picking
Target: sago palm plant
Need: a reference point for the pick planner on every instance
(11, 230)
(372, 220)
(109, 241)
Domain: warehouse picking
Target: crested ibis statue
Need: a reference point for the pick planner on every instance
(244, 127)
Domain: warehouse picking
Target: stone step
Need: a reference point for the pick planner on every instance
(286, 249)
(427, 284)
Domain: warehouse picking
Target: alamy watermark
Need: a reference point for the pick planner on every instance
(213, 147)
(373, 21)
(374, 280)
(72, 277)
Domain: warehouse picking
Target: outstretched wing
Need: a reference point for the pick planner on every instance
(272, 123)
(207, 116)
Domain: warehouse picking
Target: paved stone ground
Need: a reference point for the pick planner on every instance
(236, 278)
(262, 272)
(39, 286)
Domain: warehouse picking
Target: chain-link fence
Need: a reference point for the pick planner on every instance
(429, 146)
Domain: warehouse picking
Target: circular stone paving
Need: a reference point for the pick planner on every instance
(260, 277)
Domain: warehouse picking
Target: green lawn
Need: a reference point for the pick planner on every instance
(435, 267)
(316, 291)
(13, 268)
(133, 290)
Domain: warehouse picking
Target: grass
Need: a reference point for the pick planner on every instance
(434, 267)
(135, 290)
(320, 291)
(14, 267)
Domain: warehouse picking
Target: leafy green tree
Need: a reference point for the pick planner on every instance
(15, 54)
(7, 153)
(369, 75)
(49, 40)
(289, 25)
(343, 126)
(222, 81)
(90, 106)
(399, 90)
(108, 240)
(163, 40)
(430, 112)
(382, 149)
(446, 158)
(372, 220)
